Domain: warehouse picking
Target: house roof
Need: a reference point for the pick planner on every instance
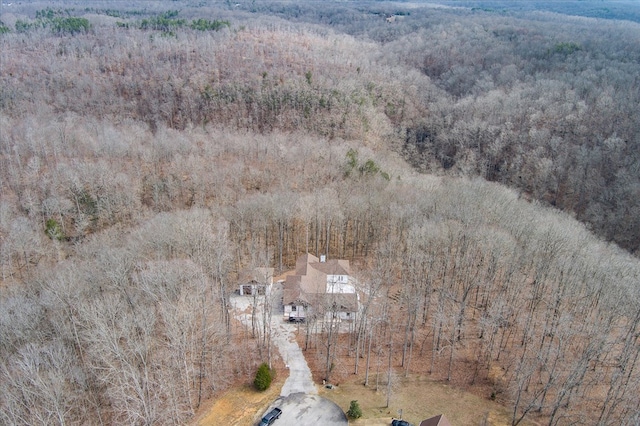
(329, 267)
(309, 284)
(292, 292)
(332, 267)
(340, 302)
(303, 261)
(439, 420)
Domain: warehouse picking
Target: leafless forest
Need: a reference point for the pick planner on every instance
(480, 166)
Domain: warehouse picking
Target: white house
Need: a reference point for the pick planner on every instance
(321, 287)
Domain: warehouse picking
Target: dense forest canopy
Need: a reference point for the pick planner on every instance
(150, 151)
(541, 102)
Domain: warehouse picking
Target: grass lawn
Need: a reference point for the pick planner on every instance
(419, 397)
(240, 406)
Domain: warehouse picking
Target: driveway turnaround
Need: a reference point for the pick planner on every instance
(300, 409)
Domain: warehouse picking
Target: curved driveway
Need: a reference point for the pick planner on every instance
(299, 400)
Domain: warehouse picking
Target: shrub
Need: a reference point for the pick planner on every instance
(263, 377)
(355, 412)
(54, 230)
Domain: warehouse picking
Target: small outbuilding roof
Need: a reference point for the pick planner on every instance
(258, 275)
(439, 420)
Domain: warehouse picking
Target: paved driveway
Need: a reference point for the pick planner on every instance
(299, 380)
(299, 409)
(299, 400)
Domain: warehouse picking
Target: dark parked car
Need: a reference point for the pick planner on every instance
(396, 422)
(271, 417)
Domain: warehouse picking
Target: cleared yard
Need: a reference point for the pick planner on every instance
(240, 406)
(419, 398)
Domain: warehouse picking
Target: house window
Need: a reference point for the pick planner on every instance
(293, 308)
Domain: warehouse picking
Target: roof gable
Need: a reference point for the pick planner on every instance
(303, 261)
(439, 420)
(332, 267)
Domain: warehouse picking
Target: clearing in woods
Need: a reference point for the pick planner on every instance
(418, 396)
(240, 406)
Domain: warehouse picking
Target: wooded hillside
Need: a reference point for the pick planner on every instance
(147, 155)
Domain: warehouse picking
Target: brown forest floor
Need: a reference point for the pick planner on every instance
(419, 395)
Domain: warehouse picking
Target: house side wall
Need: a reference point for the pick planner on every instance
(340, 284)
(294, 310)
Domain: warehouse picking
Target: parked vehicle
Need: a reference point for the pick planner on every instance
(271, 417)
(396, 422)
(296, 317)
